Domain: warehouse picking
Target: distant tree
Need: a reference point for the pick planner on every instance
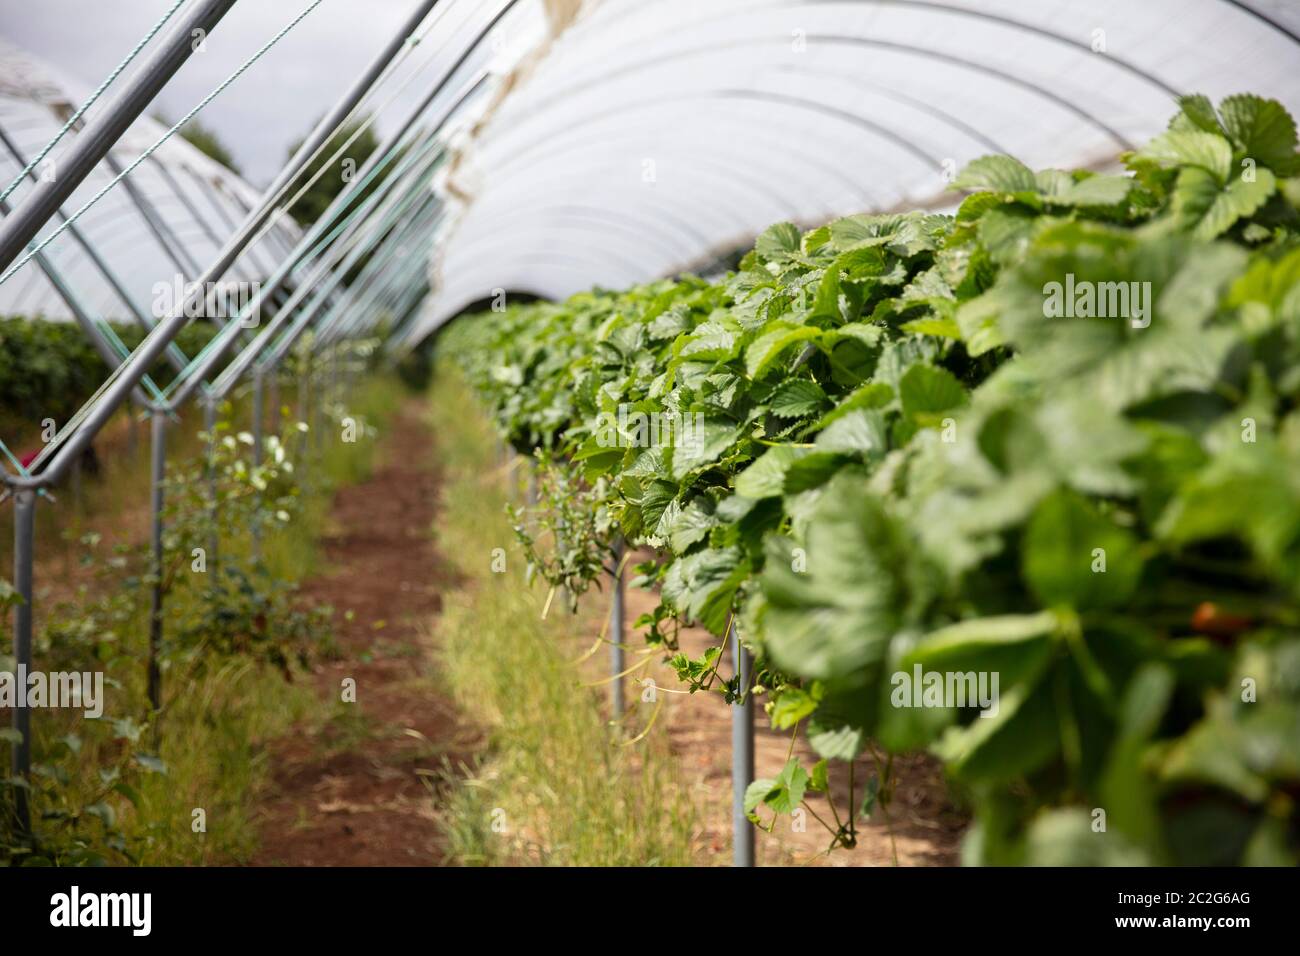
(322, 192)
(206, 141)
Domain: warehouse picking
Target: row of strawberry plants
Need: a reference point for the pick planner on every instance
(1052, 439)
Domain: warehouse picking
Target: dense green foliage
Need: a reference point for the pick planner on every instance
(908, 455)
(206, 141)
(49, 369)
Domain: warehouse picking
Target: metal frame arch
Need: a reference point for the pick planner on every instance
(1264, 18)
(740, 93)
(903, 98)
(711, 48)
(548, 258)
(726, 176)
(597, 139)
(606, 234)
(542, 215)
(714, 169)
(929, 5)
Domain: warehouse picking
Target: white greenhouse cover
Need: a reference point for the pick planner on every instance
(641, 138)
(198, 201)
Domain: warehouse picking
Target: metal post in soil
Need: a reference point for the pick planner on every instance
(157, 474)
(24, 544)
(95, 140)
(304, 410)
(616, 634)
(210, 426)
(99, 135)
(320, 396)
(742, 755)
(259, 414)
(273, 387)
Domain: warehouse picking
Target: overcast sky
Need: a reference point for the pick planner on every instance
(261, 114)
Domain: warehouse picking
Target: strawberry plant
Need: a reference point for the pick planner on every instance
(1054, 437)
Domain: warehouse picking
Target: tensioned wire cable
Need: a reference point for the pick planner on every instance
(334, 327)
(114, 373)
(362, 241)
(124, 353)
(83, 412)
(284, 206)
(359, 244)
(394, 237)
(367, 205)
(70, 428)
(108, 81)
(33, 249)
(222, 338)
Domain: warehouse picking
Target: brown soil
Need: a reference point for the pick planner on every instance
(356, 784)
(353, 786)
(926, 828)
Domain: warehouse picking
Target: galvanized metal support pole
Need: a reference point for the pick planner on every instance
(168, 241)
(303, 382)
(92, 253)
(259, 415)
(273, 385)
(187, 204)
(742, 755)
(157, 474)
(99, 135)
(616, 634)
(213, 193)
(24, 545)
(316, 382)
(210, 426)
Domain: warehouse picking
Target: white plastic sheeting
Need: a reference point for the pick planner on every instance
(197, 201)
(653, 135)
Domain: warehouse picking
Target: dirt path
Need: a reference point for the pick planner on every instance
(352, 787)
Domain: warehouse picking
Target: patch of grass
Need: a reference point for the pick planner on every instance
(559, 785)
(213, 746)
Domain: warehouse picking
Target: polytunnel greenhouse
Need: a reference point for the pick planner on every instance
(595, 433)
